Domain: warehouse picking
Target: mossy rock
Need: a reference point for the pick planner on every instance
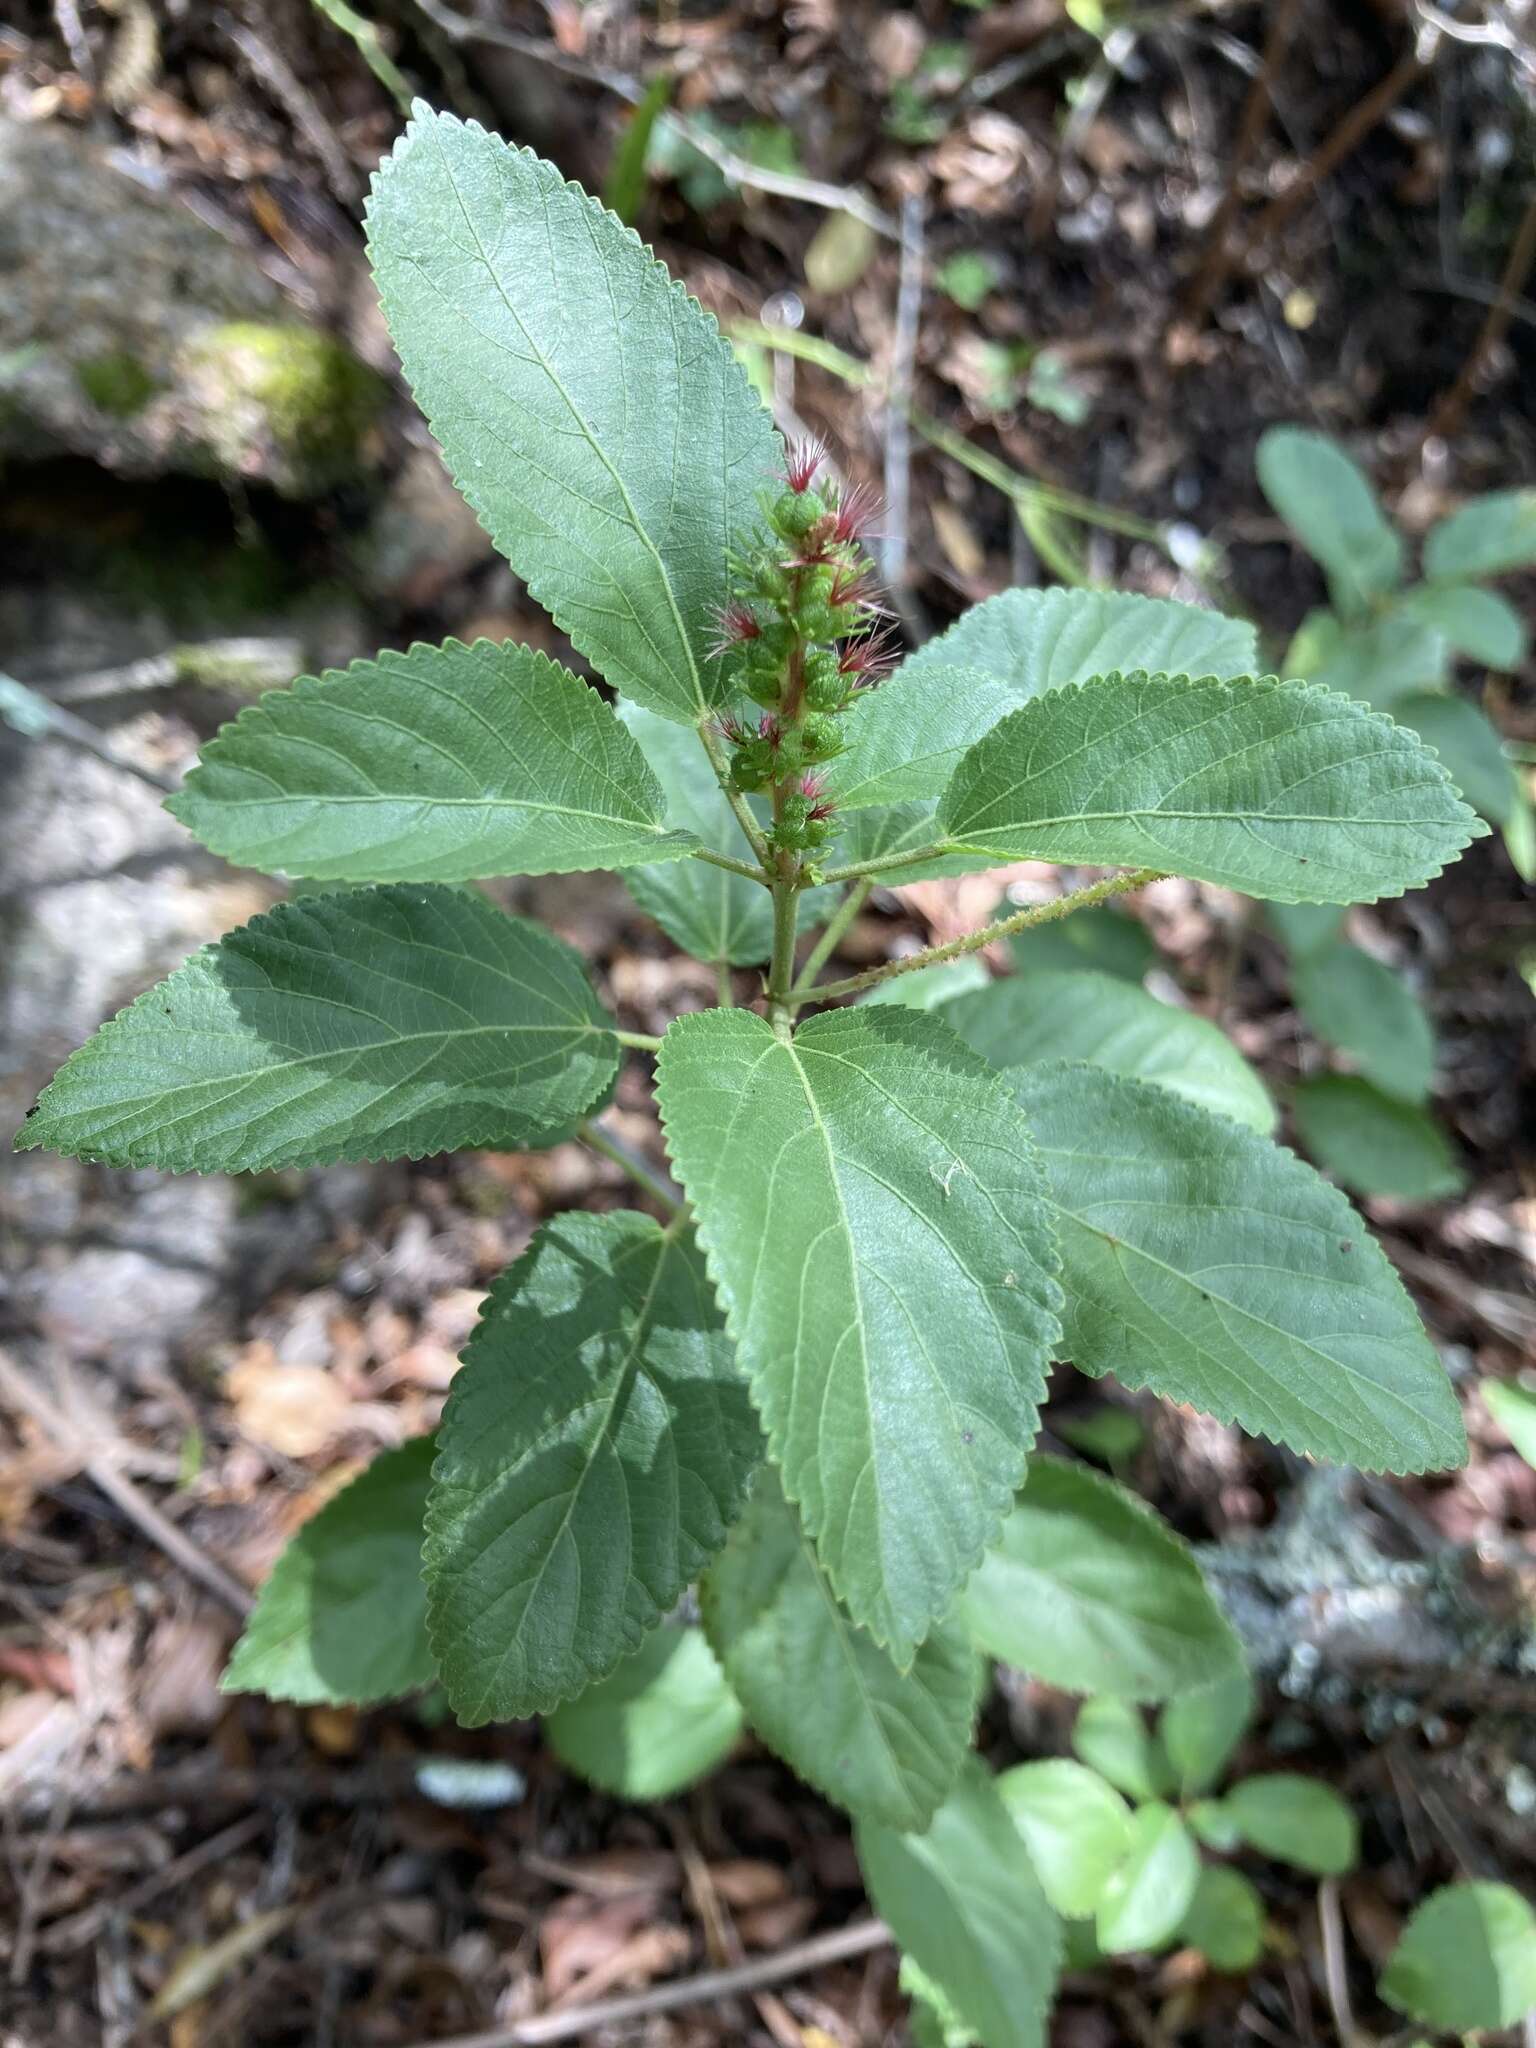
(282, 402)
(116, 383)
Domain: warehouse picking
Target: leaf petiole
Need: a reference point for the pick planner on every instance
(1005, 927)
(731, 864)
(826, 945)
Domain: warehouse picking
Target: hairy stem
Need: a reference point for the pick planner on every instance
(855, 870)
(710, 741)
(973, 942)
(729, 862)
(781, 971)
(638, 1041)
(639, 1170)
(826, 945)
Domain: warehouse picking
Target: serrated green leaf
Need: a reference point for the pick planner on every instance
(1090, 1590)
(1200, 1729)
(343, 1616)
(1513, 1408)
(438, 765)
(1214, 1267)
(1111, 1023)
(1328, 503)
(665, 1718)
(887, 1745)
(1278, 789)
(862, 1192)
(1477, 623)
(1469, 747)
(1075, 1825)
(963, 1901)
(1296, 1820)
(362, 1024)
(1467, 1959)
(1373, 1143)
(1112, 1737)
(883, 829)
(1225, 1920)
(1485, 537)
(1148, 1895)
(907, 738)
(1358, 1004)
(597, 1445)
(588, 408)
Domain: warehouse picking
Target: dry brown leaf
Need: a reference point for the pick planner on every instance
(199, 1970)
(747, 1881)
(577, 1937)
(293, 1409)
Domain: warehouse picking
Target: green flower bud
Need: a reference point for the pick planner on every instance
(794, 513)
(820, 738)
(825, 684)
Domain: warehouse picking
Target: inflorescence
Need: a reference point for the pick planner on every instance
(804, 637)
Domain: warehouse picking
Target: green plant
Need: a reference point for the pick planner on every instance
(813, 1389)
(1393, 642)
(1466, 1960)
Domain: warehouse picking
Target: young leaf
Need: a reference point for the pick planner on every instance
(365, 1024)
(1513, 1408)
(1485, 537)
(665, 1718)
(1296, 1820)
(1378, 660)
(1200, 1729)
(862, 1192)
(589, 410)
(963, 1901)
(1358, 1004)
(1372, 1142)
(1214, 1267)
(934, 2022)
(1075, 1825)
(1329, 505)
(1225, 1920)
(1147, 1897)
(1090, 1590)
(908, 737)
(1302, 927)
(1112, 1737)
(438, 765)
(1478, 623)
(1469, 747)
(343, 1617)
(1111, 1023)
(1278, 789)
(885, 1744)
(1467, 1959)
(596, 1447)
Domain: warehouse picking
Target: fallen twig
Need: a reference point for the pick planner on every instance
(1450, 408)
(707, 1988)
(101, 1465)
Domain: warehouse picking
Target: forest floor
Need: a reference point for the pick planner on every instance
(189, 1368)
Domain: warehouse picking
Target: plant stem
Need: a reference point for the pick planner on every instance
(973, 942)
(733, 796)
(826, 945)
(781, 971)
(639, 1170)
(728, 861)
(725, 995)
(857, 869)
(638, 1041)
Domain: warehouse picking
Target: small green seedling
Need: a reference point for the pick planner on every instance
(812, 1391)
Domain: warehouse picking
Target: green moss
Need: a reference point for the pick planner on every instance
(117, 383)
(290, 396)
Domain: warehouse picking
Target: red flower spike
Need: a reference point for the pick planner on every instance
(856, 513)
(802, 459)
(734, 623)
(857, 586)
(814, 790)
(867, 661)
(733, 731)
(768, 729)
